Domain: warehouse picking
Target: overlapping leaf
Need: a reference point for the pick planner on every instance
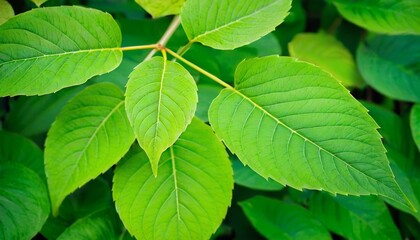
(24, 205)
(225, 24)
(278, 220)
(189, 197)
(415, 124)
(90, 134)
(47, 49)
(384, 16)
(364, 217)
(161, 99)
(292, 122)
(329, 54)
(6, 11)
(160, 8)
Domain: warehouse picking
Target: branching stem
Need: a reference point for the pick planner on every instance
(166, 36)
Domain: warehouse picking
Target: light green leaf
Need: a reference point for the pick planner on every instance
(278, 220)
(24, 205)
(99, 225)
(18, 149)
(47, 49)
(415, 124)
(161, 99)
(38, 3)
(225, 24)
(90, 134)
(189, 197)
(390, 64)
(384, 16)
(294, 123)
(364, 217)
(246, 177)
(6, 11)
(160, 8)
(327, 53)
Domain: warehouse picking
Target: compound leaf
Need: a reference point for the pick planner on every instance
(90, 134)
(278, 220)
(390, 64)
(225, 24)
(415, 124)
(40, 52)
(327, 53)
(160, 8)
(189, 197)
(294, 123)
(364, 217)
(24, 205)
(384, 16)
(161, 99)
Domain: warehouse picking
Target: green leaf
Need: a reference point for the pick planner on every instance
(390, 64)
(18, 149)
(364, 217)
(327, 53)
(24, 205)
(224, 24)
(189, 197)
(160, 8)
(90, 135)
(34, 115)
(99, 225)
(40, 52)
(6, 11)
(206, 94)
(278, 220)
(161, 99)
(38, 3)
(384, 16)
(246, 177)
(294, 123)
(415, 124)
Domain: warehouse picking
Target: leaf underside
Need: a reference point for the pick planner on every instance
(189, 197)
(160, 8)
(90, 134)
(40, 52)
(294, 123)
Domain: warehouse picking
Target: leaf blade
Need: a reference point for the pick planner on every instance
(415, 124)
(161, 8)
(50, 49)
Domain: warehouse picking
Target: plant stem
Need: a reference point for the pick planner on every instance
(166, 36)
(184, 49)
(141, 47)
(202, 71)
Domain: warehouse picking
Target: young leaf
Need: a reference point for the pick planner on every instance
(40, 52)
(6, 11)
(364, 217)
(161, 99)
(390, 64)
(24, 205)
(99, 225)
(327, 53)
(384, 16)
(189, 197)
(18, 149)
(278, 220)
(415, 124)
(231, 24)
(160, 8)
(90, 135)
(292, 122)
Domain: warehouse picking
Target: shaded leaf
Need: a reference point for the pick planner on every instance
(6, 11)
(278, 220)
(206, 94)
(415, 124)
(189, 197)
(90, 134)
(24, 205)
(160, 8)
(38, 3)
(40, 52)
(390, 64)
(364, 217)
(294, 123)
(227, 25)
(384, 16)
(327, 53)
(161, 99)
